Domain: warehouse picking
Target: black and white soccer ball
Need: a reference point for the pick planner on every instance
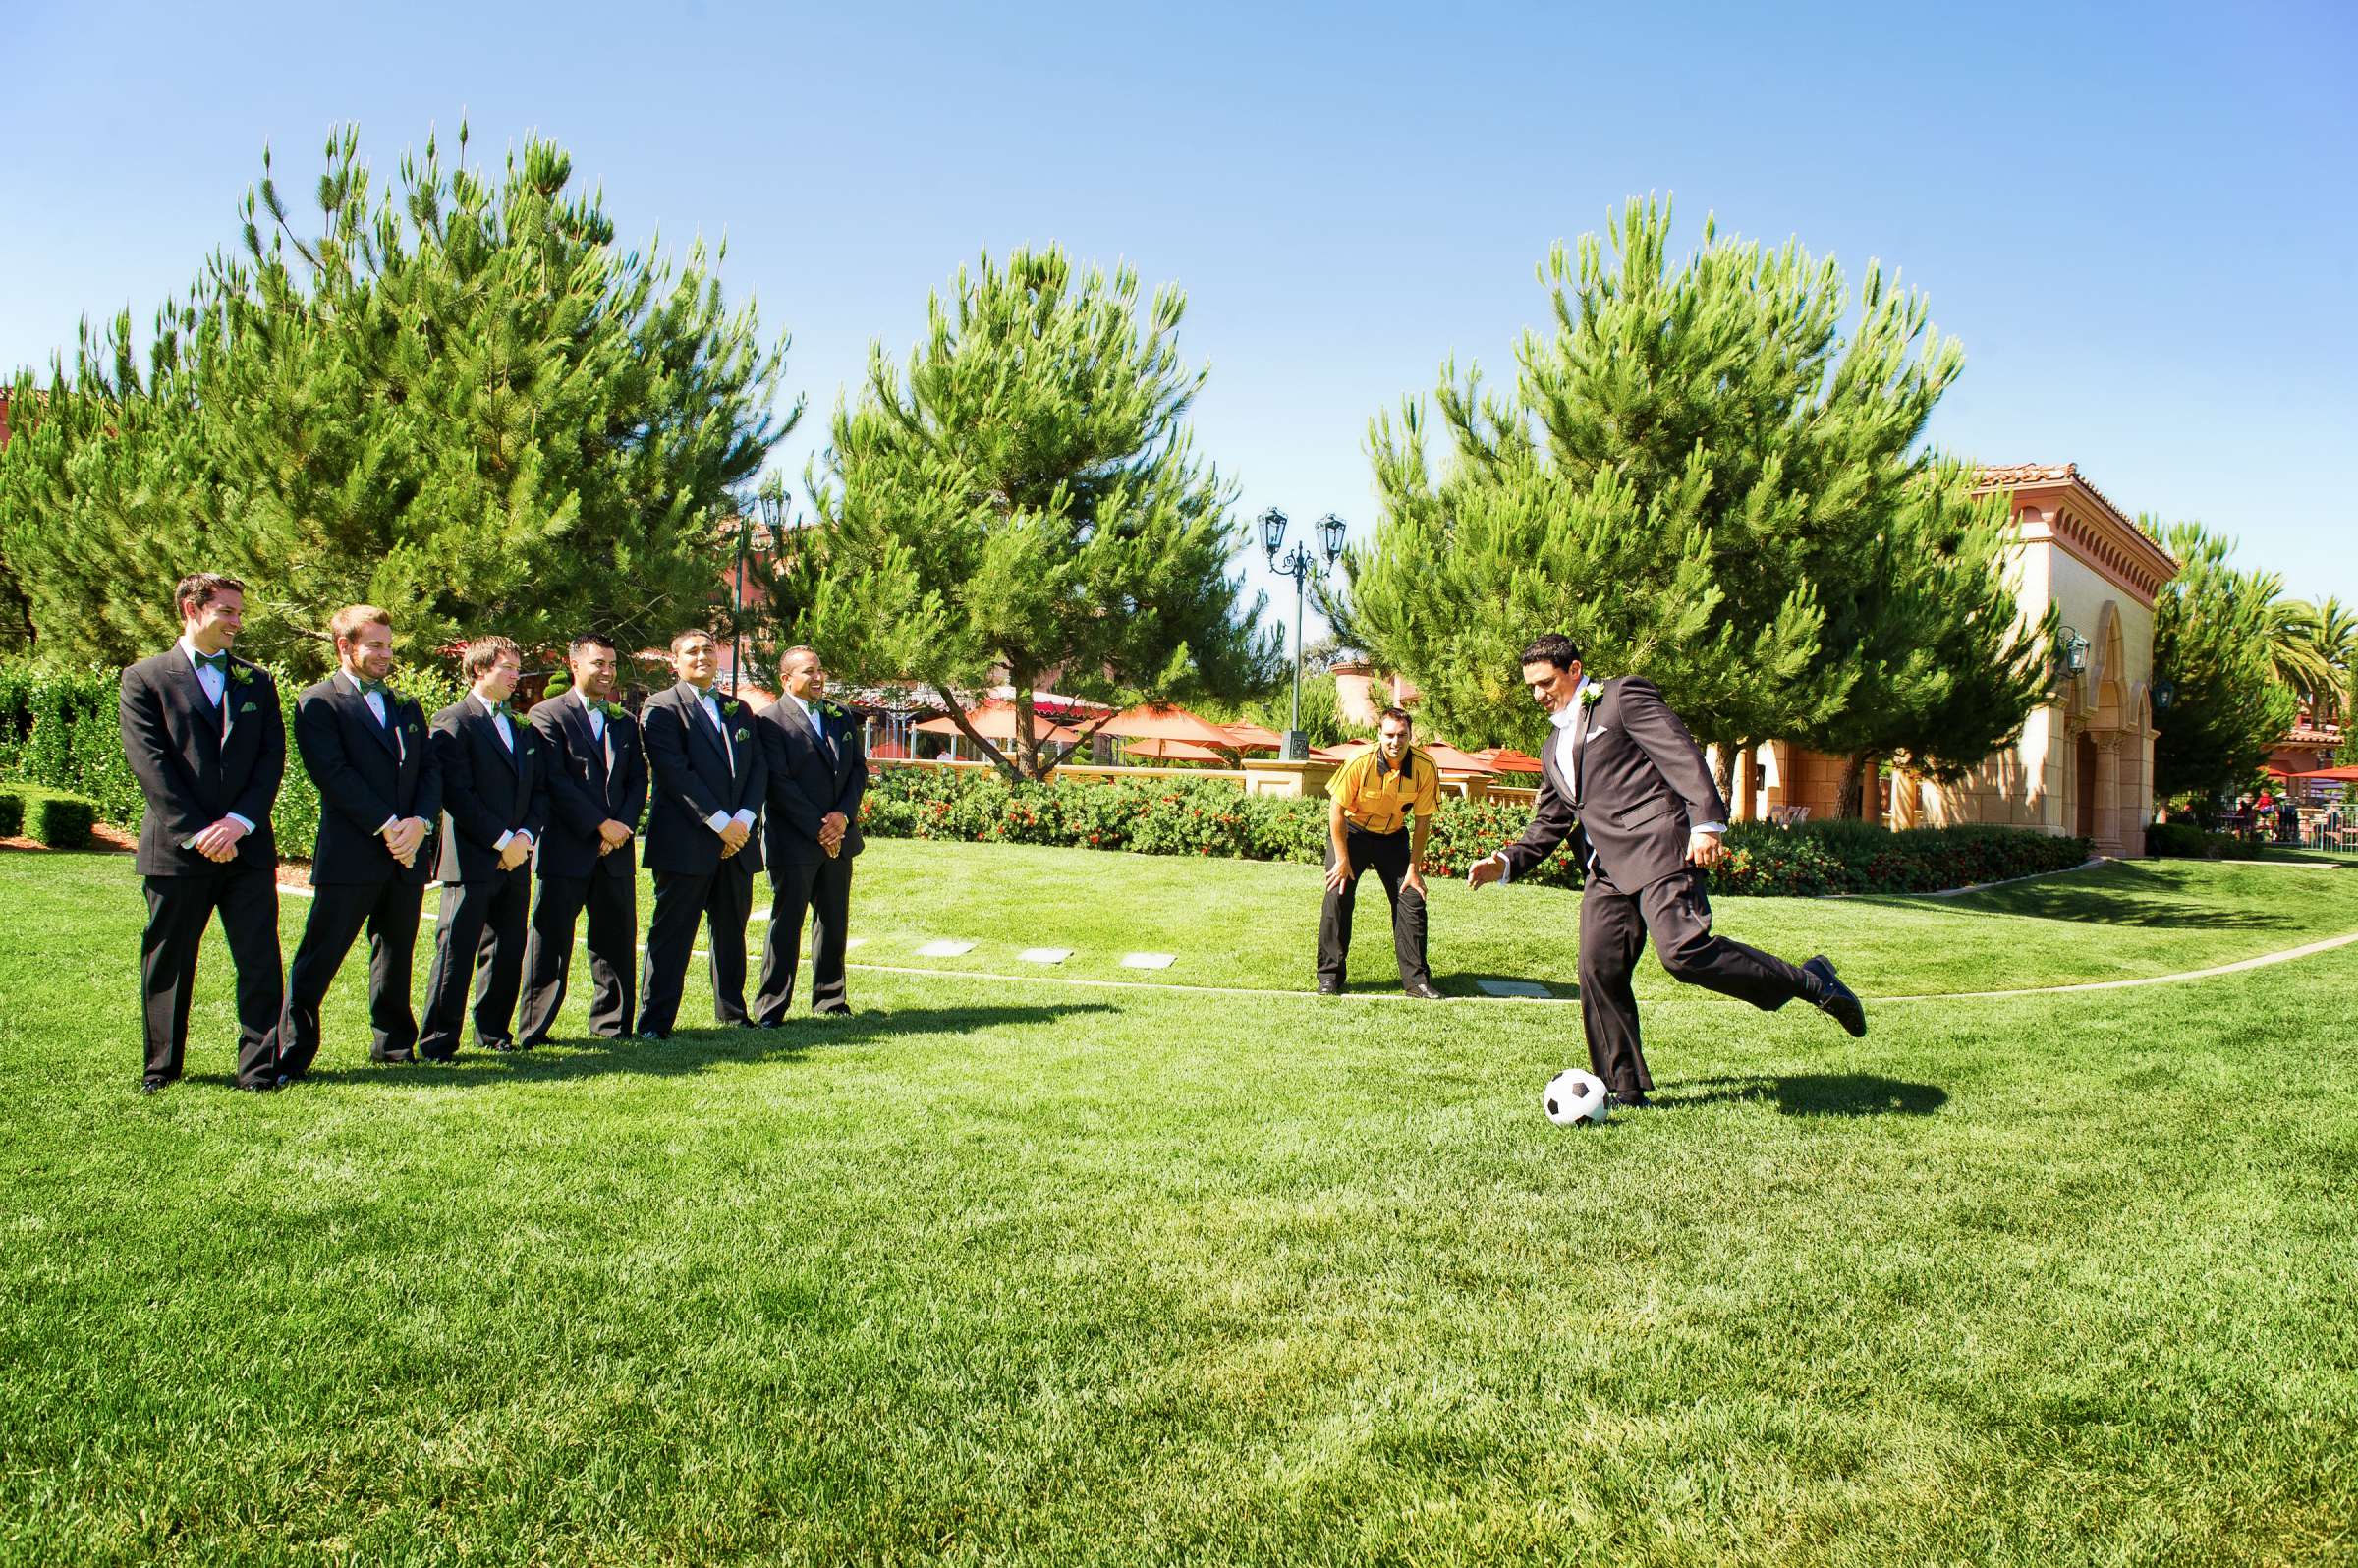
(1575, 1097)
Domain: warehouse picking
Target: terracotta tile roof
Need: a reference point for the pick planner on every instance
(2020, 475)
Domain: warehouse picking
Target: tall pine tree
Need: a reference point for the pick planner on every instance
(1024, 503)
(455, 398)
(2211, 643)
(1687, 476)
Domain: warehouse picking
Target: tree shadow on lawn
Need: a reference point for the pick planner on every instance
(693, 1051)
(2152, 897)
(1813, 1093)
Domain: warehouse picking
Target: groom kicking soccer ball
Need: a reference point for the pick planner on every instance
(1625, 781)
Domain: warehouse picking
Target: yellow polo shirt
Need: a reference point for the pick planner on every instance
(1377, 799)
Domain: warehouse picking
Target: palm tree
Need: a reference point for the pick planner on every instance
(2338, 646)
(2296, 654)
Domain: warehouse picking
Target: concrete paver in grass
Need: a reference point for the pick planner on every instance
(945, 948)
(1511, 988)
(1045, 955)
(1149, 960)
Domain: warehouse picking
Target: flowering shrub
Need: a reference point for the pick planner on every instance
(1213, 818)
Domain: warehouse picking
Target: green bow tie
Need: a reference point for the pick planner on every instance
(377, 686)
(218, 662)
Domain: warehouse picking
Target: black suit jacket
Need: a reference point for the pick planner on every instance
(807, 782)
(486, 789)
(583, 790)
(691, 780)
(1641, 784)
(191, 773)
(366, 772)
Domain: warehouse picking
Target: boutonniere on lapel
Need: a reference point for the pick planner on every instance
(241, 674)
(613, 710)
(743, 733)
(1592, 696)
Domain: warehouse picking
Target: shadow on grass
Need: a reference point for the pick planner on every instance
(1813, 1094)
(2128, 894)
(1468, 982)
(692, 1050)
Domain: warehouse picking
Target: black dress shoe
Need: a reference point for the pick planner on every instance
(1328, 987)
(1630, 1099)
(832, 1012)
(503, 1047)
(1424, 992)
(152, 1086)
(653, 1034)
(1835, 999)
(402, 1059)
(260, 1085)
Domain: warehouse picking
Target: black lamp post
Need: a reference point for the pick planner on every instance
(1300, 565)
(771, 501)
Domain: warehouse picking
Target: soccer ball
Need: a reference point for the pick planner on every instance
(1573, 1096)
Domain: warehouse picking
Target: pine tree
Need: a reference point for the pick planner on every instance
(1690, 469)
(458, 400)
(1024, 503)
(2212, 644)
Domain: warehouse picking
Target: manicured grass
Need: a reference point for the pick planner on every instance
(1008, 1272)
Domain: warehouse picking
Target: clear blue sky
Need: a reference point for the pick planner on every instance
(2141, 220)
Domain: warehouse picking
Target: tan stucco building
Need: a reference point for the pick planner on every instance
(2085, 761)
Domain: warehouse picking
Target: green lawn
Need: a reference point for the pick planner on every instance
(1009, 1271)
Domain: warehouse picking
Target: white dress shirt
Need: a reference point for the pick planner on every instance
(376, 708)
(507, 738)
(598, 717)
(719, 821)
(216, 692)
(1568, 741)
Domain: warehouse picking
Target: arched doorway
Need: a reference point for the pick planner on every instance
(2084, 777)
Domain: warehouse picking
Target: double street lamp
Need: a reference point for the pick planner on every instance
(771, 503)
(1300, 565)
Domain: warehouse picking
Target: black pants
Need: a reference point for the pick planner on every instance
(486, 922)
(613, 904)
(1388, 855)
(389, 910)
(1614, 928)
(824, 887)
(179, 908)
(721, 900)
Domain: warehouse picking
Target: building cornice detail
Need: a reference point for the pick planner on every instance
(2054, 501)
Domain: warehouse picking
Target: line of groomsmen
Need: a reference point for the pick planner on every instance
(488, 802)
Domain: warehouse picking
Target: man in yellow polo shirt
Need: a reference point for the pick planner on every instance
(1371, 802)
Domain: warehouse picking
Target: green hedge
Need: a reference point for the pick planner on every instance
(11, 812)
(1213, 817)
(59, 820)
(62, 729)
(2185, 841)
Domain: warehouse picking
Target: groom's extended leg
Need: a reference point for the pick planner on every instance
(1679, 919)
(1612, 933)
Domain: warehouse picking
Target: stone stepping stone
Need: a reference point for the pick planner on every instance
(1149, 960)
(944, 947)
(1045, 955)
(1509, 987)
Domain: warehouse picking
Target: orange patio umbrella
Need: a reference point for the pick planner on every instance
(1168, 722)
(1251, 737)
(1176, 750)
(1506, 760)
(995, 722)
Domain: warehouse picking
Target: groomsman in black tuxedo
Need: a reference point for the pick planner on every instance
(203, 734)
(709, 775)
(492, 809)
(596, 776)
(817, 772)
(380, 790)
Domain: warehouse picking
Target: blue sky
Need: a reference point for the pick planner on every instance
(2141, 220)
